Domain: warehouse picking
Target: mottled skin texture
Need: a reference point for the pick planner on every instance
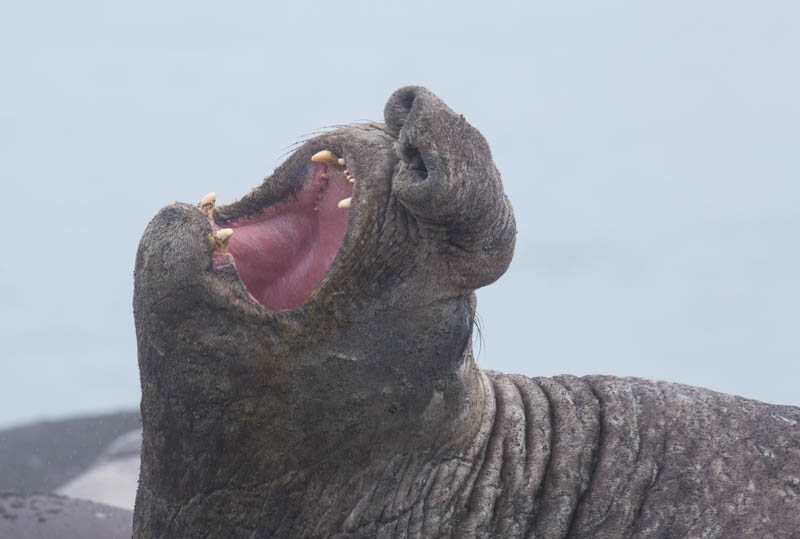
(364, 414)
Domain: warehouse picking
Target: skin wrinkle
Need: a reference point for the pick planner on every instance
(658, 460)
(589, 524)
(424, 484)
(639, 461)
(486, 488)
(477, 451)
(431, 505)
(410, 494)
(438, 514)
(415, 522)
(586, 464)
(574, 431)
(357, 514)
(378, 507)
(506, 514)
(409, 507)
(666, 522)
(396, 513)
(538, 496)
(600, 442)
(488, 419)
(536, 461)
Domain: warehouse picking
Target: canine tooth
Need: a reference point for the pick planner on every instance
(223, 234)
(340, 161)
(351, 179)
(345, 202)
(325, 156)
(219, 239)
(206, 204)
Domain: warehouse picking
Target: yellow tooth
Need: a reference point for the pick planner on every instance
(210, 198)
(340, 161)
(345, 203)
(324, 175)
(325, 156)
(219, 239)
(206, 204)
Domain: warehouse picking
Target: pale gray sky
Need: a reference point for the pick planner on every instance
(651, 150)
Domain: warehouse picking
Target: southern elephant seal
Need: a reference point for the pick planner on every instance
(307, 371)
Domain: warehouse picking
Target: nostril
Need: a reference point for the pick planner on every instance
(399, 107)
(414, 162)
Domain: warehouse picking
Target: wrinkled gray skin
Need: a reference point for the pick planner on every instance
(364, 414)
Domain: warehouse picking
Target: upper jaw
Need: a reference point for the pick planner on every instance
(352, 144)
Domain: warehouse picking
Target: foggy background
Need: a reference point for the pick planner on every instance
(652, 154)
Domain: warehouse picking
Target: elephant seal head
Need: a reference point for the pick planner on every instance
(294, 343)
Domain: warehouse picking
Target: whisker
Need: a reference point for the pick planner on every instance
(363, 124)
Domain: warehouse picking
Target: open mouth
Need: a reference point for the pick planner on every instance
(282, 251)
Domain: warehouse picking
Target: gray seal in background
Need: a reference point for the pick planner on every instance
(113, 477)
(57, 517)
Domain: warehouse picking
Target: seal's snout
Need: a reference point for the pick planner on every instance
(176, 239)
(173, 256)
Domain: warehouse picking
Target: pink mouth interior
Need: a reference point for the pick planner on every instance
(282, 252)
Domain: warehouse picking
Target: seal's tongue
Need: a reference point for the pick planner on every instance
(283, 251)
